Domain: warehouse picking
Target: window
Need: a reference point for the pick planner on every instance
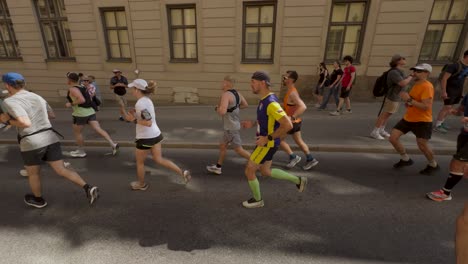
(259, 32)
(445, 31)
(9, 45)
(116, 33)
(183, 33)
(346, 30)
(54, 27)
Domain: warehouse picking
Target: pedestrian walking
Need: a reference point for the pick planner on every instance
(417, 119)
(272, 125)
(228, 108)
(451, 84)
(148, 134)
(334, 88)
(458, 164)
(349, 75)
(396, 82)
(118, 84)
(83, 113)
(323, 82)
(295, 107)
(38, 141)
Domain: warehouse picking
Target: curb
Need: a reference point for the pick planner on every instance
(315, 148)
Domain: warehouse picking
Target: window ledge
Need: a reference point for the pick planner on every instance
(70, 59)
(183, 61)
(119, 60)
(257, 62)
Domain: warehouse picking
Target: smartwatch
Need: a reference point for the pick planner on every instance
(135, 121)
(270, 138)
(409, 101)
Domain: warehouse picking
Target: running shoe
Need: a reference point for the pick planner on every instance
(24, 173)
(440, 129)
(310, 164)
(376, 135)
(317, 105)
(187, 176)
(78, 153)
(439, 196)
(293, 161)
(302, 184)
(335, 113)
(214, 169)
(115, 149)
(121, 118)
(429, 169)
(252, 203)
(444, 125)
(92, 194)
(403, 163)
(137, 186)
(348, 111)
(384, 133)
(33, 201)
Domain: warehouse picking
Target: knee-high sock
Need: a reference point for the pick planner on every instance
(255, 187)
(282, 175)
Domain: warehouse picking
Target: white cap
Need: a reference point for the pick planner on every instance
(139, 84)
(423, 67)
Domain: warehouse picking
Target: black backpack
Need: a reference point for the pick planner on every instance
(88, 100)
(229, 110)
(381, 85)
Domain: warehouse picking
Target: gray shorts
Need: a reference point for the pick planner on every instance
(52, 152)
(83, 120)
(232, 137)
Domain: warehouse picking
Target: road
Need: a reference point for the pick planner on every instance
(356, 209)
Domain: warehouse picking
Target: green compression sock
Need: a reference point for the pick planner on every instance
(255, 187)
(282, 175)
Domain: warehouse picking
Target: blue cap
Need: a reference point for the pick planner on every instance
(262, 76)
(12, 77)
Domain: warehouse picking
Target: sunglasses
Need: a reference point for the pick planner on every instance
(419, 71)
(85, 80)
(285, 78)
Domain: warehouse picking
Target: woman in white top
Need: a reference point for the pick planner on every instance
(148, 135)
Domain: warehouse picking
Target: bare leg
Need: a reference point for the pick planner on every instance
(300, 142)
(425, 149)
(156, 151)
(395, 140)
(222, 153)
(70, 175)
(242, 152)
(77, 131)
(285, 147)
(140, 155)
(382, 119)
(34, 179)
(95, 125)
(348, 103)
(443, 113)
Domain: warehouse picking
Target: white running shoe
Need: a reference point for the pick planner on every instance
(335, 113)
(214, 169)
(24, 173)
(294, 161)
(384, 133)
(78, 153)
(376, 135)
(252, 203)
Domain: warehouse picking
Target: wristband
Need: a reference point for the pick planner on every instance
(135, 121)
(270, 138)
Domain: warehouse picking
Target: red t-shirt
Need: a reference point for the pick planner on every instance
(347, 75)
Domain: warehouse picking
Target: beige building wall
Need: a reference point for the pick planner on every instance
(393, 26)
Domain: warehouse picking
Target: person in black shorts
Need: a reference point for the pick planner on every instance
(458, 164)
(37, 139)
(451, 83)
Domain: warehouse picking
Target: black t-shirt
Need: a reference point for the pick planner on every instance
(335, 74)
(456, 81)
(120, 90)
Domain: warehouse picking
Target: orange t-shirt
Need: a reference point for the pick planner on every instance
(419, 92)
(289, 108)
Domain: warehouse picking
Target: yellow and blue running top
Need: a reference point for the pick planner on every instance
(269, 111)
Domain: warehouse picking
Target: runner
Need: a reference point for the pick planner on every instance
(228, 108)
(272, 126)
(148, 135)
(38, 141)
(295, 107)
(82, 115)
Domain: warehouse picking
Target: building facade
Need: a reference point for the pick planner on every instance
(188, 46)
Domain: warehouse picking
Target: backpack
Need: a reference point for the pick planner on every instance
(234, 92)
(88, 100)
(444, 68)
(381, 85)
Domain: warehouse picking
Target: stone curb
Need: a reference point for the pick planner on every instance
(316, 148)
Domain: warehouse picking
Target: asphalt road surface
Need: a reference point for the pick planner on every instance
(356, 209)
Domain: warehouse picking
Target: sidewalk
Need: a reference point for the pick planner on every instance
(199, 126)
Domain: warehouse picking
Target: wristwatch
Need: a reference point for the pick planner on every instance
(135, 121)
(409, 101)
(270, 138)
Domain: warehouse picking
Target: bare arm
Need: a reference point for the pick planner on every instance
(20, 121)
(353, 76)
(406, 81)
(76, 94)
(325, 73)
(50, 112)
(300, 106)
(223, 103)
(338, 78)
(243, 103)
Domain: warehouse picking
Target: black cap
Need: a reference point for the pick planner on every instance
(262, 76)
(73, 76)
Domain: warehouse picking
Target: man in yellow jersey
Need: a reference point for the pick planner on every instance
(295, 107)
(417, 119)
(272, 125)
